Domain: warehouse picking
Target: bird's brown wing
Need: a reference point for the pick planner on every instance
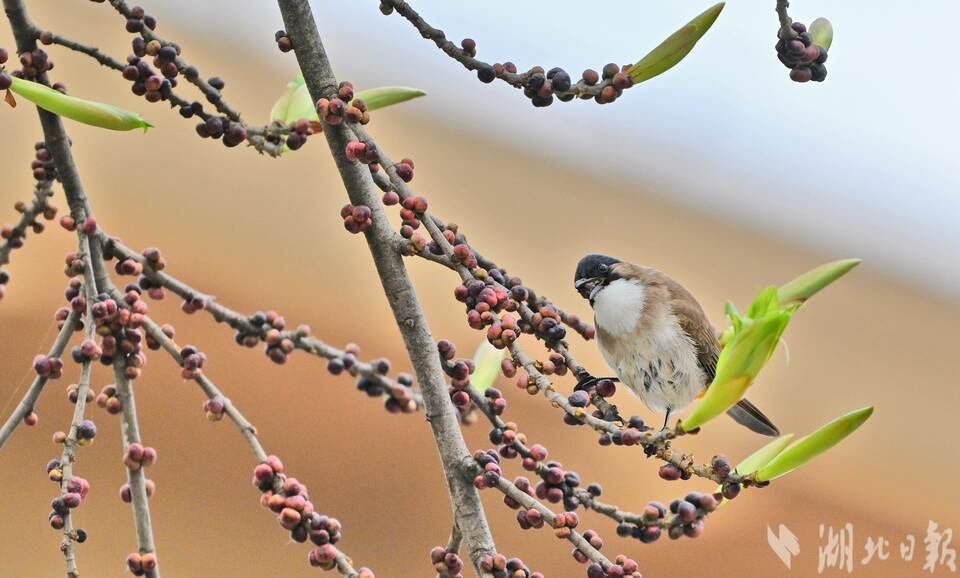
(694, 323)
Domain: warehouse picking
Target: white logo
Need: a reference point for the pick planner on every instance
(785, 545)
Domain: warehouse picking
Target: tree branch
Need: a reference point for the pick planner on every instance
(135, 477)
(301, 339)
(421, 348)
(71, 443)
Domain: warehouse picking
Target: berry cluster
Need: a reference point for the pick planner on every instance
(34, 63)
(484, 299)
(139, 456)
(118, 326)
(721, 466)
(804, 58)
(447, 564)
(459, 371)
(61, 506)
(557, 485)
(108, 400)
(361, 152)
(140, 564)
(214, 408)
(412, 210)
(49, 367)
(86, 431)
(290, 501)
(73, 492)
(399, 399)
(88, 350)
(689, 513)
(502, 567)
(628, 436)
(73, 394)
(489, 462)
(356, 219)
(155, 262)
(155, 82)
(139, 21)
(192, 361)
(649, 529)
(343, 107)
(126, 495)
(233, 133)
(622, 566)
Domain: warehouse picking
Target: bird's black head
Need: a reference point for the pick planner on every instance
(593, 272)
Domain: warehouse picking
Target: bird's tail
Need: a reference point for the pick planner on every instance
(747, 415)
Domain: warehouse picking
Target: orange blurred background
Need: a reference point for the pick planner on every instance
(261, 233)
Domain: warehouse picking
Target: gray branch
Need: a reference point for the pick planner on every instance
(421, 348)
(135, 477)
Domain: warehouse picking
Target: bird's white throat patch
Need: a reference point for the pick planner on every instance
(618, 306)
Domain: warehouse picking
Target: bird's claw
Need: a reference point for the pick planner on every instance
(587, 381)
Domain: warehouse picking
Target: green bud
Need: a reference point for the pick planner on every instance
(296, 103)
(387, 95)
(807, 285)
(810, 446)
(85, 111)
(821, 32)
(751, 345)
(487, 361)
(764, 455)
(672, 50)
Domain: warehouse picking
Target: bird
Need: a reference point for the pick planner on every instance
(654, 334)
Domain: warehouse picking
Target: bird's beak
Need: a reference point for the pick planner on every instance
(588, 288)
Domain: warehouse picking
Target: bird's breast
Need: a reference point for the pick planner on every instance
(619, 306)
(657, 361)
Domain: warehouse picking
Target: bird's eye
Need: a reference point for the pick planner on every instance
(603, 268)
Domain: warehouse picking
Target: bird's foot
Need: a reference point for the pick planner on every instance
(666, 419)
(587, 381)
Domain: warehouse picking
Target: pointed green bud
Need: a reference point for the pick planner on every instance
(387, 95)
(487, 361)
(296, 103)
(747, 350)
(85, 111)
(807, 285)
(821, 32)
(810, 446)
(672, 50)
(764, 455)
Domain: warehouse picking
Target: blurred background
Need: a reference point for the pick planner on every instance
(723, 173)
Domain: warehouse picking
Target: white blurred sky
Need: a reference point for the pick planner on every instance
(864, 164)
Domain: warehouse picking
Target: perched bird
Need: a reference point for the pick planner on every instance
(656, 337)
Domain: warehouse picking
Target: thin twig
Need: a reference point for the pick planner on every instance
(242, 323)
(135, 477)
(213, 95)
(579, 89)
(257, 137)
(786, 32)
(42, 192)
(575, 538)
(71, 443)
(26, 405)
